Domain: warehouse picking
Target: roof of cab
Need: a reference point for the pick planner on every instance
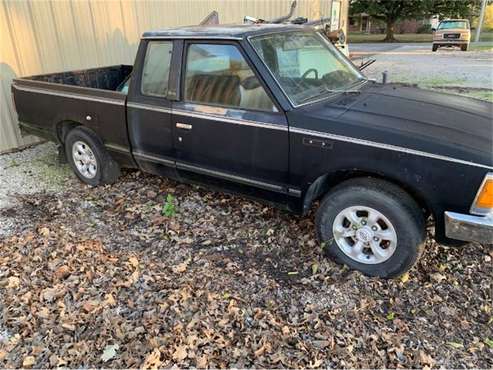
(226, 31)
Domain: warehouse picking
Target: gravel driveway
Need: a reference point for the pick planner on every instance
(416, 63)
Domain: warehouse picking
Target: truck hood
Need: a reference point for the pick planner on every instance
(441, 124)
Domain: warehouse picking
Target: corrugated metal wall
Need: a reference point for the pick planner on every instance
(43, 36)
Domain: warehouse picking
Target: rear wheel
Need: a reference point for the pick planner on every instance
(89, 159)
(371, 226)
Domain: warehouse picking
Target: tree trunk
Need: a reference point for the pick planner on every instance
(389, 37)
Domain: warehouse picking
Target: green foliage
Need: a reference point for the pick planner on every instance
(489, 342)
(393, 10)
(390, 11)
(454, 8)
(169, 209)
(425, 28)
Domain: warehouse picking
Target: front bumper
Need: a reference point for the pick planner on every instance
(469, 228)
(450, 42)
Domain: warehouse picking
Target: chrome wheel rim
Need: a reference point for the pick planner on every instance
(84, 159)
(364, 234)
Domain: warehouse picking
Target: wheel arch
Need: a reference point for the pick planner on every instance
(327, 181)
(62, 128)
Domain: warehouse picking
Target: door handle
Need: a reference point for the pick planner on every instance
(184, 126)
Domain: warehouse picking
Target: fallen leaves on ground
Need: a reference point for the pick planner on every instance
(97, 277)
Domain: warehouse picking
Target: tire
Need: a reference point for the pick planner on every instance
(94, 165)
(434, 48)
(464, 47)
(400, 226)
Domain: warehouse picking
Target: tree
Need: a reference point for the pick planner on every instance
(390, 11)
(454, 8)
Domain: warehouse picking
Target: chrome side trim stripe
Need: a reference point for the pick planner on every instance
(117, 148)
(236, 121)
(148, 107)
(163, 161)
(235, 178)
(223, 175)
(385, 146)
(294, 192)
(70, 95)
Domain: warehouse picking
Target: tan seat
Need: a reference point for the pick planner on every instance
(223, 90)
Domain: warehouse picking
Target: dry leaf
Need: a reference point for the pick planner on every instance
(405, 277)
(134, 261)
(426, 359)
(152, 361)
(202, 362)
(49, 294)
(109, 352)
(13, 282)
(28, 361)
(44, 313)
(90, 306)
(44, 231)
(181, 267)
(180, 353)
(62, 272)
(109, 300)
(438, 277)
(68, 326)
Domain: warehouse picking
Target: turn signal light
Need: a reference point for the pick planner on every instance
(484, 199)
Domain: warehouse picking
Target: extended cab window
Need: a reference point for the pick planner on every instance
(219, 75)
(156, 68)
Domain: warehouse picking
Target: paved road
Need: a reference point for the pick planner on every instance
(416, 63)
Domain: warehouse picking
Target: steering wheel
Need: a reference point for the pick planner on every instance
(308, 71)
(335, 77)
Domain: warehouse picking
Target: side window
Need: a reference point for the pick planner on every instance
(155, 73)
(219, 75)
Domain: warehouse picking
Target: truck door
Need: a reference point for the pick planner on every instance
(149, 108)
(228, 129)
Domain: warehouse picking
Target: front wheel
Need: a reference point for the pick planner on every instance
(371, 226)
(464, 47)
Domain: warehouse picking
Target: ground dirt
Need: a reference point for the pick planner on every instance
(98, 277)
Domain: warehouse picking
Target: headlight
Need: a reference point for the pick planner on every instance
(483, 203)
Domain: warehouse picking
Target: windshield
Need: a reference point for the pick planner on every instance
(452, 24)
(306, 65)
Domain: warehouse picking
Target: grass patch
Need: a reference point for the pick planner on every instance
(485, 35)
(481, 47)
(358, 37)
(483, 95)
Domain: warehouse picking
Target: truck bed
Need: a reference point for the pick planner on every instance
(105, 78)
(47, 104)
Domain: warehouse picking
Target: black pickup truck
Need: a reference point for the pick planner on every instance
(278, 113)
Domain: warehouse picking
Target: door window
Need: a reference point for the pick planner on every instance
(155, 73)
(217, 74)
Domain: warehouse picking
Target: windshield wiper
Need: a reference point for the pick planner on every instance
(329, 91)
